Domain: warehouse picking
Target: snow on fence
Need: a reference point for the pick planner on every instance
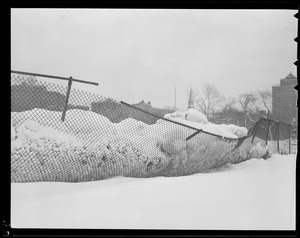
(63, 134)
(278, 136)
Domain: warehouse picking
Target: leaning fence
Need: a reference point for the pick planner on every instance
(278, 136)
(59, 133)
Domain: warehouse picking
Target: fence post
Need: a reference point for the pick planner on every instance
(289, 139)
(268, 127)
(67, 99)
(278, 149)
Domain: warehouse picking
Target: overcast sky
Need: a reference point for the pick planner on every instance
(143, 54)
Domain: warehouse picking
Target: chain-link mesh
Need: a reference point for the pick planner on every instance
(280, 137)
(100, 138)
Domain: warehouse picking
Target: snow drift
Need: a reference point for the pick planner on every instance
(190, 115)
(88, 146)
(198, 120)
(254, 195)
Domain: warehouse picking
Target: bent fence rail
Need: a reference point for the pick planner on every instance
(280, 137)
(59, 133)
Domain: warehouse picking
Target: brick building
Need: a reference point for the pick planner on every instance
(284, 99)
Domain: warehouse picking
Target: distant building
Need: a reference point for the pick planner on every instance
(284, 99)
(148, 107)
(143, 105)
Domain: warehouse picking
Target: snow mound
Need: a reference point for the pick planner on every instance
(88, 146)
(236, 130)
(260, 152)
(195, 116)
(80, 121)
(42, 116)
(130, 126)
(198, 120)
(12, 133)
(209, 127)
(41, 153)
(31, 133)
(174, 141)
(175, 115)
(190, 115)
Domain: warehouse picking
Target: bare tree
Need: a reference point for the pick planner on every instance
(265, 97)
(209, 101)
(248, 102)
(252, 104)
(228, 104)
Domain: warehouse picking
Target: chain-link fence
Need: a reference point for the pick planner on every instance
(59, 133)
(280, 137)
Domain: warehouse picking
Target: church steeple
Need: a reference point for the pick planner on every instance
(191, 99)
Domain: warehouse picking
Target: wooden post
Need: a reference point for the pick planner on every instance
(67, 99)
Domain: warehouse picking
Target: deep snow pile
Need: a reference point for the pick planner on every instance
(87, 146)
(190, 115)
(236, 130)
(41, 116)
(198, 120)
(41, 153)
(254, 195)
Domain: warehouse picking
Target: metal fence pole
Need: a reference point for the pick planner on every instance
(289, 139)
(67, 99)
(268, 127)
(278, 149)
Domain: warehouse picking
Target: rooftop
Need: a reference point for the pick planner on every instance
(290, 76)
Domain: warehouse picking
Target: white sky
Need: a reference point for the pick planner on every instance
(143, 54)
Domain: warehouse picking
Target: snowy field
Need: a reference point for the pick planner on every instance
(256, 194)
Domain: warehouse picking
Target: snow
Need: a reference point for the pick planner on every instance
(196, 119)
(12, 133)
(193, 115)
(190, 115)
(31, 132)
(283, 146)
(130, 126)
(88, 146)
(87, 122)
(80, 121)
(253, 195)
(174, 115)
(42, 116)
(236, 130)
(209, 127)
(258, 151)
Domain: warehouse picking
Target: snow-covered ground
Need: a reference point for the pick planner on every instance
(256, 194)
